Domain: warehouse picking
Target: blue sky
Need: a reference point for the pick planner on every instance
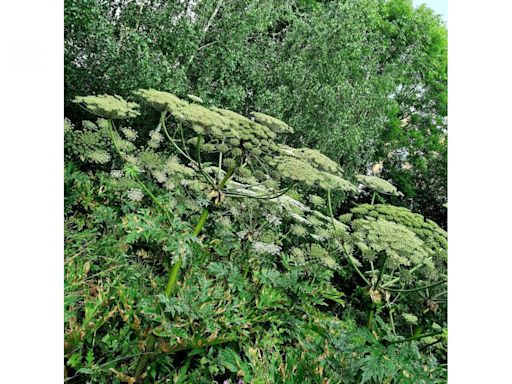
(439, 6)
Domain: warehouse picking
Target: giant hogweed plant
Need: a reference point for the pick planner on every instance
(397, 255)
(232, 157)
(233, 167)
(378, 186)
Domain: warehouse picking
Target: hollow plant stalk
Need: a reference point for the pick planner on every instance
(173, 277)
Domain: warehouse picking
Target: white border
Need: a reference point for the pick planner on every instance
(479, 83)
(31, 192)
(31, 257)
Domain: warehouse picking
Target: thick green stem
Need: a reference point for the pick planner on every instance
(329, 206)
(391, 320)
(370, 316)
(416, 289)
(141, 365)
(373, 197)
(198, 151)
(173, 277)
(355, 266)
(225, 180)
(381, 272)
(220, 161)
(155, 200)
(180, 125)
(398, 278)
(111, 130)
(173, 274)
(171, 140)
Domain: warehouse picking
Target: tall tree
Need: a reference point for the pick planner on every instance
(413, 147)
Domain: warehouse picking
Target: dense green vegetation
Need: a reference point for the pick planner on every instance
(255, 192)
(207, 250)
(362, 81)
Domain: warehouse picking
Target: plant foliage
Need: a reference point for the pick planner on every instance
(206, 250)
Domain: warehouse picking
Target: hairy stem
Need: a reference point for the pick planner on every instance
(349, 257)
(226, 178)
(173, 273)
(220, 161)
(171, 140)
(173, 277)
(329, 205)
(155, 200)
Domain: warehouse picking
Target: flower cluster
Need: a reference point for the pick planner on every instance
(378, 185)
(317, 201)
(99, 156)
(116, 173)
(301, 171)
(435, 239)
(403, 248)
(135, 195)
(227, 131)
(129, 133)
(260, 247)
(68, 125)
(275, 124)
(109, 107)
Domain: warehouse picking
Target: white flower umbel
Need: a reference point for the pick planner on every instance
(135, 195)
(116, 173)
(260, 247)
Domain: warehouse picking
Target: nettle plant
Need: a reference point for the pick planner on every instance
(233, 167)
